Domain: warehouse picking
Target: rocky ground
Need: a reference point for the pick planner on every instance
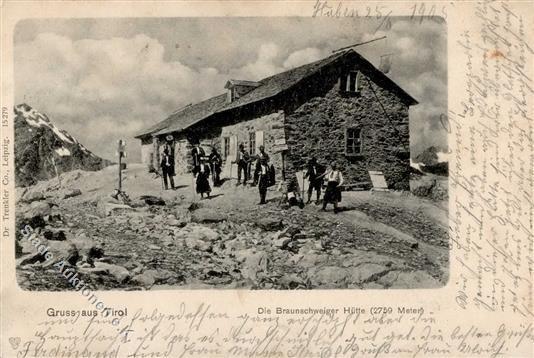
(172, 239)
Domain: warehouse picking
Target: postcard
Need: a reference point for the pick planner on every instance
(267, 179)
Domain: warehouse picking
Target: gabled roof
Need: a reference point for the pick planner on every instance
(160, 125)
(194, 114)
(265, 88)
(273, 85)
(186, 117)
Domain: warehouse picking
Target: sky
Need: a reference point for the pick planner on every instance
(107, 79)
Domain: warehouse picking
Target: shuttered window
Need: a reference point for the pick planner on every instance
(252, 143)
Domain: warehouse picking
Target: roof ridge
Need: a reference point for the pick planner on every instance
(331, 57)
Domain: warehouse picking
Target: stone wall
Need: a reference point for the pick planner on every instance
(182, 154)
(147, 153)
(317, 128)
(272, 126)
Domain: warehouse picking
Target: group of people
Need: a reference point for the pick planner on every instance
(204, 166)
(317, 175)
(263, 173)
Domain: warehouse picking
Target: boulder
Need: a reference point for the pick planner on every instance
(87, 247)
(35, 244)
(108, 204)
(255, 263)
(109, 208)
(281, 242)
(146, 279)
(69, 193)
(120, 273)
(291, 281)
(366, 272)
(160, 275)
(177, 222)
(62, 250)
(37, 209)
(31, 196)
(312, 259)
(205, 215)
(292, 231)
(28, 259)
(234, 246)
(197, 244)
(328, 276)
(152, 200)
(199, 232)
(28, 245)
(269, 224)
(34, 222)
(54, 234)
(409, 279)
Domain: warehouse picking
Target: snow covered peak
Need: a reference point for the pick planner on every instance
(37, 119)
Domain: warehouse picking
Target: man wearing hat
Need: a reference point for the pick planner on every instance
(167, 168)
(242, 163)
(263, 175)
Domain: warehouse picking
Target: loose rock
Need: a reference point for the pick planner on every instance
(71, 193)
(204, 215)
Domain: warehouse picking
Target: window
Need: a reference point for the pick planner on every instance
(231, 95)
(226, 141)
(351, 82)
(353, 141)
(252, 143)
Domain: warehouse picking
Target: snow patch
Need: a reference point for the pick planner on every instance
(63, 151)
(36, 119)
(416, 165)
(60, 134)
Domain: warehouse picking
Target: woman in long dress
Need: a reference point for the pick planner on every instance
(215, 162)
(332, 194)
(203, 184)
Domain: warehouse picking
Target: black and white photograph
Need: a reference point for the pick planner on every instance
(266, 153)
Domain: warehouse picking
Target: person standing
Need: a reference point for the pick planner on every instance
(167, 168)
(263, 175)
(315, 174)
(242, 161)
(215, 163)
(197, 153)
(202, 182)
(262, 155)
(333, 188)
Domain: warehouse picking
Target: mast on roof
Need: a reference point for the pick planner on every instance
(359, 44)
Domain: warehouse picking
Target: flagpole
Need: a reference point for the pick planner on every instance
(359, 44)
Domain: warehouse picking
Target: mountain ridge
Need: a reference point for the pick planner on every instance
(43, 151)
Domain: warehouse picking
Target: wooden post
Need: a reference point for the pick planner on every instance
(120, 152)
(120, 171)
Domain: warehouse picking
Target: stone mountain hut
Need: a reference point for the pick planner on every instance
(340, 109)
